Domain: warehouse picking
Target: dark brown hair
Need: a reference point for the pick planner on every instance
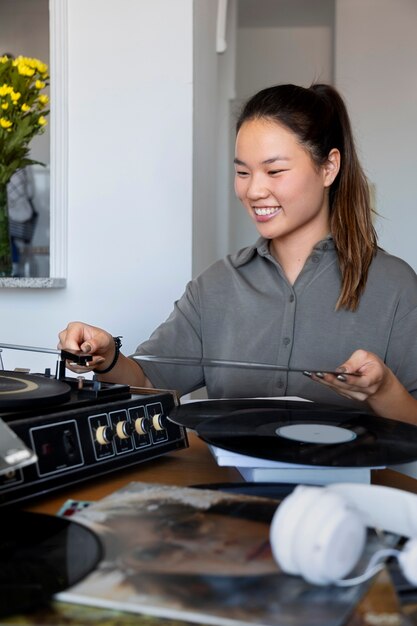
(319, 119)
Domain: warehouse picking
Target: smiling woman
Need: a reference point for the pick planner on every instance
(306, 294)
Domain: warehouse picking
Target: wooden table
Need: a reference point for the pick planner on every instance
(195, 466)
(192, 466)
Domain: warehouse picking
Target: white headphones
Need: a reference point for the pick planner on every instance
(319, 533)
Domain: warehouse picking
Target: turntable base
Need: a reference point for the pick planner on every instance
(79, 431)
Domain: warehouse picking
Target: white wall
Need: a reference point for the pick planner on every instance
(205, 99)
(375, 67)
(214, 84)
(130, 176)
(271, 55)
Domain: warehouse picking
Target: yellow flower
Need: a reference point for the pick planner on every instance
(43, 99)
(31, 63)
(41, 67)
(5, 90)
(15, 95)
(21, 105)
(25, 70)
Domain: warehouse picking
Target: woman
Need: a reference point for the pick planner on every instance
(313, 293)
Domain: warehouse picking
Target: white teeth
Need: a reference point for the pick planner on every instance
(266, 211)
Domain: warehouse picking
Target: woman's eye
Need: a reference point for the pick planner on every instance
(272, 172)
(241, 173)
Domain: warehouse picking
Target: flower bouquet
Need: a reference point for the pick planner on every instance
(23, 108)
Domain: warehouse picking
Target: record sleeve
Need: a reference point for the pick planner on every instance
(202, 556)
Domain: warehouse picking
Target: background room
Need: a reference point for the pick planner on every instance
(142, 141)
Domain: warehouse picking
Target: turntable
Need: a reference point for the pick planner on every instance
(80, 428)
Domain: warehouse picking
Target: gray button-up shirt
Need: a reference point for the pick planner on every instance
(243, 308)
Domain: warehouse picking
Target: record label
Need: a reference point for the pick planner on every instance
(315, 433)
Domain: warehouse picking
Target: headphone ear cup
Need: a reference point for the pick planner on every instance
(330, 541)
(408, 561)
(284, 530)
(314, 533)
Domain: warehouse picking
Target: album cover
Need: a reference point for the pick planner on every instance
(203, 556)
(68, 614)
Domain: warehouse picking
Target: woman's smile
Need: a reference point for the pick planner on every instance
(265, 213)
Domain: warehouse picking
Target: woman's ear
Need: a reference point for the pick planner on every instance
(331, 167)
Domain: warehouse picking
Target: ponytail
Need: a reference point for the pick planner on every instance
(351, 222)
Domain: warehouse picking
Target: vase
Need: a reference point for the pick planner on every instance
(5, 242)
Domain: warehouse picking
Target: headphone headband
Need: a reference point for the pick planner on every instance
(389, 509)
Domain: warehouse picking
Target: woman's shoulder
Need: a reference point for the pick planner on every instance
(230, 262)
(391, 266)
(219, 277)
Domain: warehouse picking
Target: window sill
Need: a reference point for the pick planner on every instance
(33, 283)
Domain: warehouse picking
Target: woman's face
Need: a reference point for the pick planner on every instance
(283, 190)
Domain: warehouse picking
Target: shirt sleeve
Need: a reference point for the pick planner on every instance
(402, 350)
(179, 336)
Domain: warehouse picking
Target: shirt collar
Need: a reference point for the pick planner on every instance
(261, 247)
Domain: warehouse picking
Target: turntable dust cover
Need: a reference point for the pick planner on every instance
(201, 556)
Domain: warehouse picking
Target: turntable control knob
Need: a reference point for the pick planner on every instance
(159, 421)
(142, 425)
(124, 429)
(104, 434)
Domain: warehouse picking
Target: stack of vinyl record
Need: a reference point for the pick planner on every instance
(295, 441)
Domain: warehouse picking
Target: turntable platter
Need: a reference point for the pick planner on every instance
(20, 391)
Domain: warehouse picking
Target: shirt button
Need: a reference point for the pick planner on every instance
(287, 341)
(315, 258)
(325, 246)
(292, 298)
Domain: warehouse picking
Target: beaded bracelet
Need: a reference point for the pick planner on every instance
(117, 346)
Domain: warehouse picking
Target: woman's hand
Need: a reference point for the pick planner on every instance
(100, 344)
(370, 376)
(373, 383)
(91, 340)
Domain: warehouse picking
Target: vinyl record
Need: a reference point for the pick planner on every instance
(274, 491)
(324, 438)
(41, 555)
(191, 414)
(19, 390)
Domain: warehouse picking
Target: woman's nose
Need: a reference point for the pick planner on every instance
(257, 188)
